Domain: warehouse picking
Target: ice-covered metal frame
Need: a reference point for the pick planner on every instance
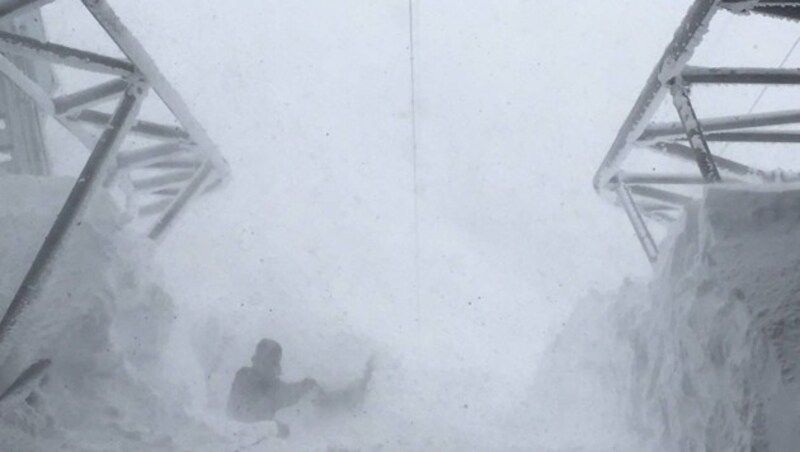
(184, 161)
(653, 195)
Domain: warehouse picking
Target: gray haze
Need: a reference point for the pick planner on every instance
(460, 256)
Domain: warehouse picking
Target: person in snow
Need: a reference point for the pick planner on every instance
(258, 392)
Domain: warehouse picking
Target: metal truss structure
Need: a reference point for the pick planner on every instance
(167, 164)
(659, 196)
(177, 162)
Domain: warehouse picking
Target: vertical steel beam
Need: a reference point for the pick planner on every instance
(144, 128)
(642, 231)
(34, 49)
(680, 97)
(89, 181)
(32, 89)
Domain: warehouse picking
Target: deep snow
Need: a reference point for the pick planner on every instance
(701, 358)
(312, 243)
(102, 318)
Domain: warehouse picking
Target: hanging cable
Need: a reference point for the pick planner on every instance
(766, 87)
(415, 180)
(783, 63)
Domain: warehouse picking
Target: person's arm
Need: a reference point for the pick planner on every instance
(291, 393)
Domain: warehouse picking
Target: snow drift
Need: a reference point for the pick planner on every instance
(102, 319)
(702, 358)
(127, 377)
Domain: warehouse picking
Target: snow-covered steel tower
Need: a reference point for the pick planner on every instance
(651, 194)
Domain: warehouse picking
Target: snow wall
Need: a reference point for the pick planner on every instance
(102, 319)
(704, 357)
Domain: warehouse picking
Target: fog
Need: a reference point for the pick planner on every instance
(410, 181)
(516, 105)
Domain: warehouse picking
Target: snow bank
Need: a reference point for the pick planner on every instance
(121, 382)
(102, 319)
(702, 358)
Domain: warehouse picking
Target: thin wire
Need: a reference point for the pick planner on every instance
(783, 63)
(413, 87)
(766, 87)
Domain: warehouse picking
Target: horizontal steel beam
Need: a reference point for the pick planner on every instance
(89, 97)
(660, 195)
(779, 9)
(175, 164)
(728, 166)
(776, 137)
(741, 76)
(31, 48)
(672, 63)
(150, 129)
(783, 9)
(725, 123)
(162, 180)
(765, 3)
(167, 192)
(653, 206)
(766, 137)
(150, 154)
(661, 179)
